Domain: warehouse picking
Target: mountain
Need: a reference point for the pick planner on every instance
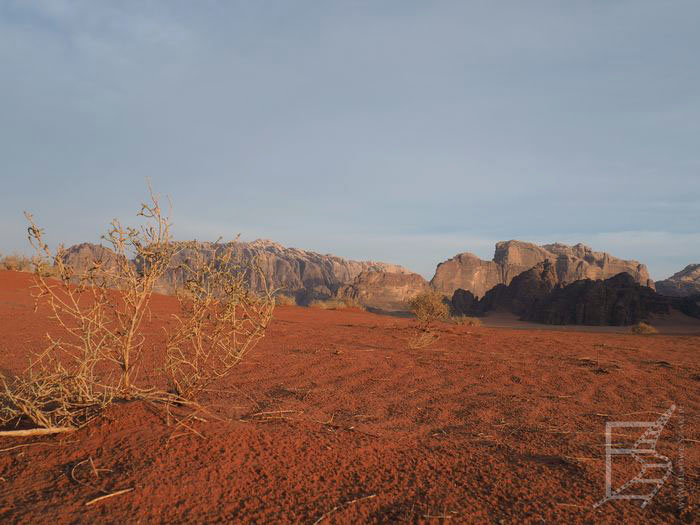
(387, 292)
(536, 295)
(681, 284)
(571, 263)
(304, 274)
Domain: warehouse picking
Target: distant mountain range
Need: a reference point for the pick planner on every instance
(309, 276)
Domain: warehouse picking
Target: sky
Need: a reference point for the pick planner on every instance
(402, 131)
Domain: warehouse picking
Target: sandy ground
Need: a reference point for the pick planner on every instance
(334, 418)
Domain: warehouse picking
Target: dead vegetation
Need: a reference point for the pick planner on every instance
(643, 329)
(428, 308)
(335, 304)
(100, 314)
(466, 320)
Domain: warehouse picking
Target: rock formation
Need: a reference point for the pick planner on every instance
(383, 291)
(306, 275)
(617, 301)
(681, 284)
(511, 258)
(536, 295)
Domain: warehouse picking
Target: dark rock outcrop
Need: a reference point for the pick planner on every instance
(522, 295)
(535, 295)
(511, 258)
(388, 292)
(681, 284)
(617, 301)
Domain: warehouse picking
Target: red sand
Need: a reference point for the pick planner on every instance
(487, 425)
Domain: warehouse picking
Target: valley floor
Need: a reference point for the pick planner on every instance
(333, 417)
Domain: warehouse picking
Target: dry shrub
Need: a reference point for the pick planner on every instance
(429, 307)
(284, 300)
(643, 329)
(97, 359)
(22, 263)
(16, 262)
(465, 320)
(422, 339)
(221, 319)
(335, 304)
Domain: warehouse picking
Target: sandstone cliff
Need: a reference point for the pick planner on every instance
(304, 274)
(536, 295)
(511, 258)
(383, 291)
(681, 284)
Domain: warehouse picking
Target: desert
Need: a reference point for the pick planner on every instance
(314, 262)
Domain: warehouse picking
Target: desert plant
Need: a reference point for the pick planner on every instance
(466, 320)
(429, 307)
(643, 329)
(16, 262)
(284, 300)
(101, 313)
(221, 319)
(335, 304)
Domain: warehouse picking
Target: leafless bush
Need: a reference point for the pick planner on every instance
(429, 307)
(284, 300)
(466, 320)
(22, 263)
(335, 304)
(101, 312)
(643, 329)
(221, 319)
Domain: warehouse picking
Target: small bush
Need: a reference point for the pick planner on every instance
(335, 304)
(643, 329)
(97, 360)
(17, 263)
(465, 320)
(284, 300)
(429, 306)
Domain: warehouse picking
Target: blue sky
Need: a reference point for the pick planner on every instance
(400, 131)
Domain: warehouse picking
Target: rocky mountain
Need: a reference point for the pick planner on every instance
(616, 301)
(537, 295)
(304, 274)
(383, 291)
(571, 263)
(681, 284)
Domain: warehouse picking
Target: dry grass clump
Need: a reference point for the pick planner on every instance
(466, 320)
(643, 329)
(16, 262)
(429, 307)
(22, 263)
(284, 300)
(335, 304)
(98, 358)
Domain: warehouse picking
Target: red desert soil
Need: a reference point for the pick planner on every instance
(332, 416)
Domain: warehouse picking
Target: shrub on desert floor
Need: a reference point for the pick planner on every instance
(643, 329)
(335, 304)
(284, 300)
(466, 320)
(101, 313)
(22, 263)
(429, 307)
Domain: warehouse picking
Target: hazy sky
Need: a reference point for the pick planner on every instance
(399, 131)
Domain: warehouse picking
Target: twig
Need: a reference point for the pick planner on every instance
(36, 431)
(27, 445)
(100, 498)
(347, 503)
